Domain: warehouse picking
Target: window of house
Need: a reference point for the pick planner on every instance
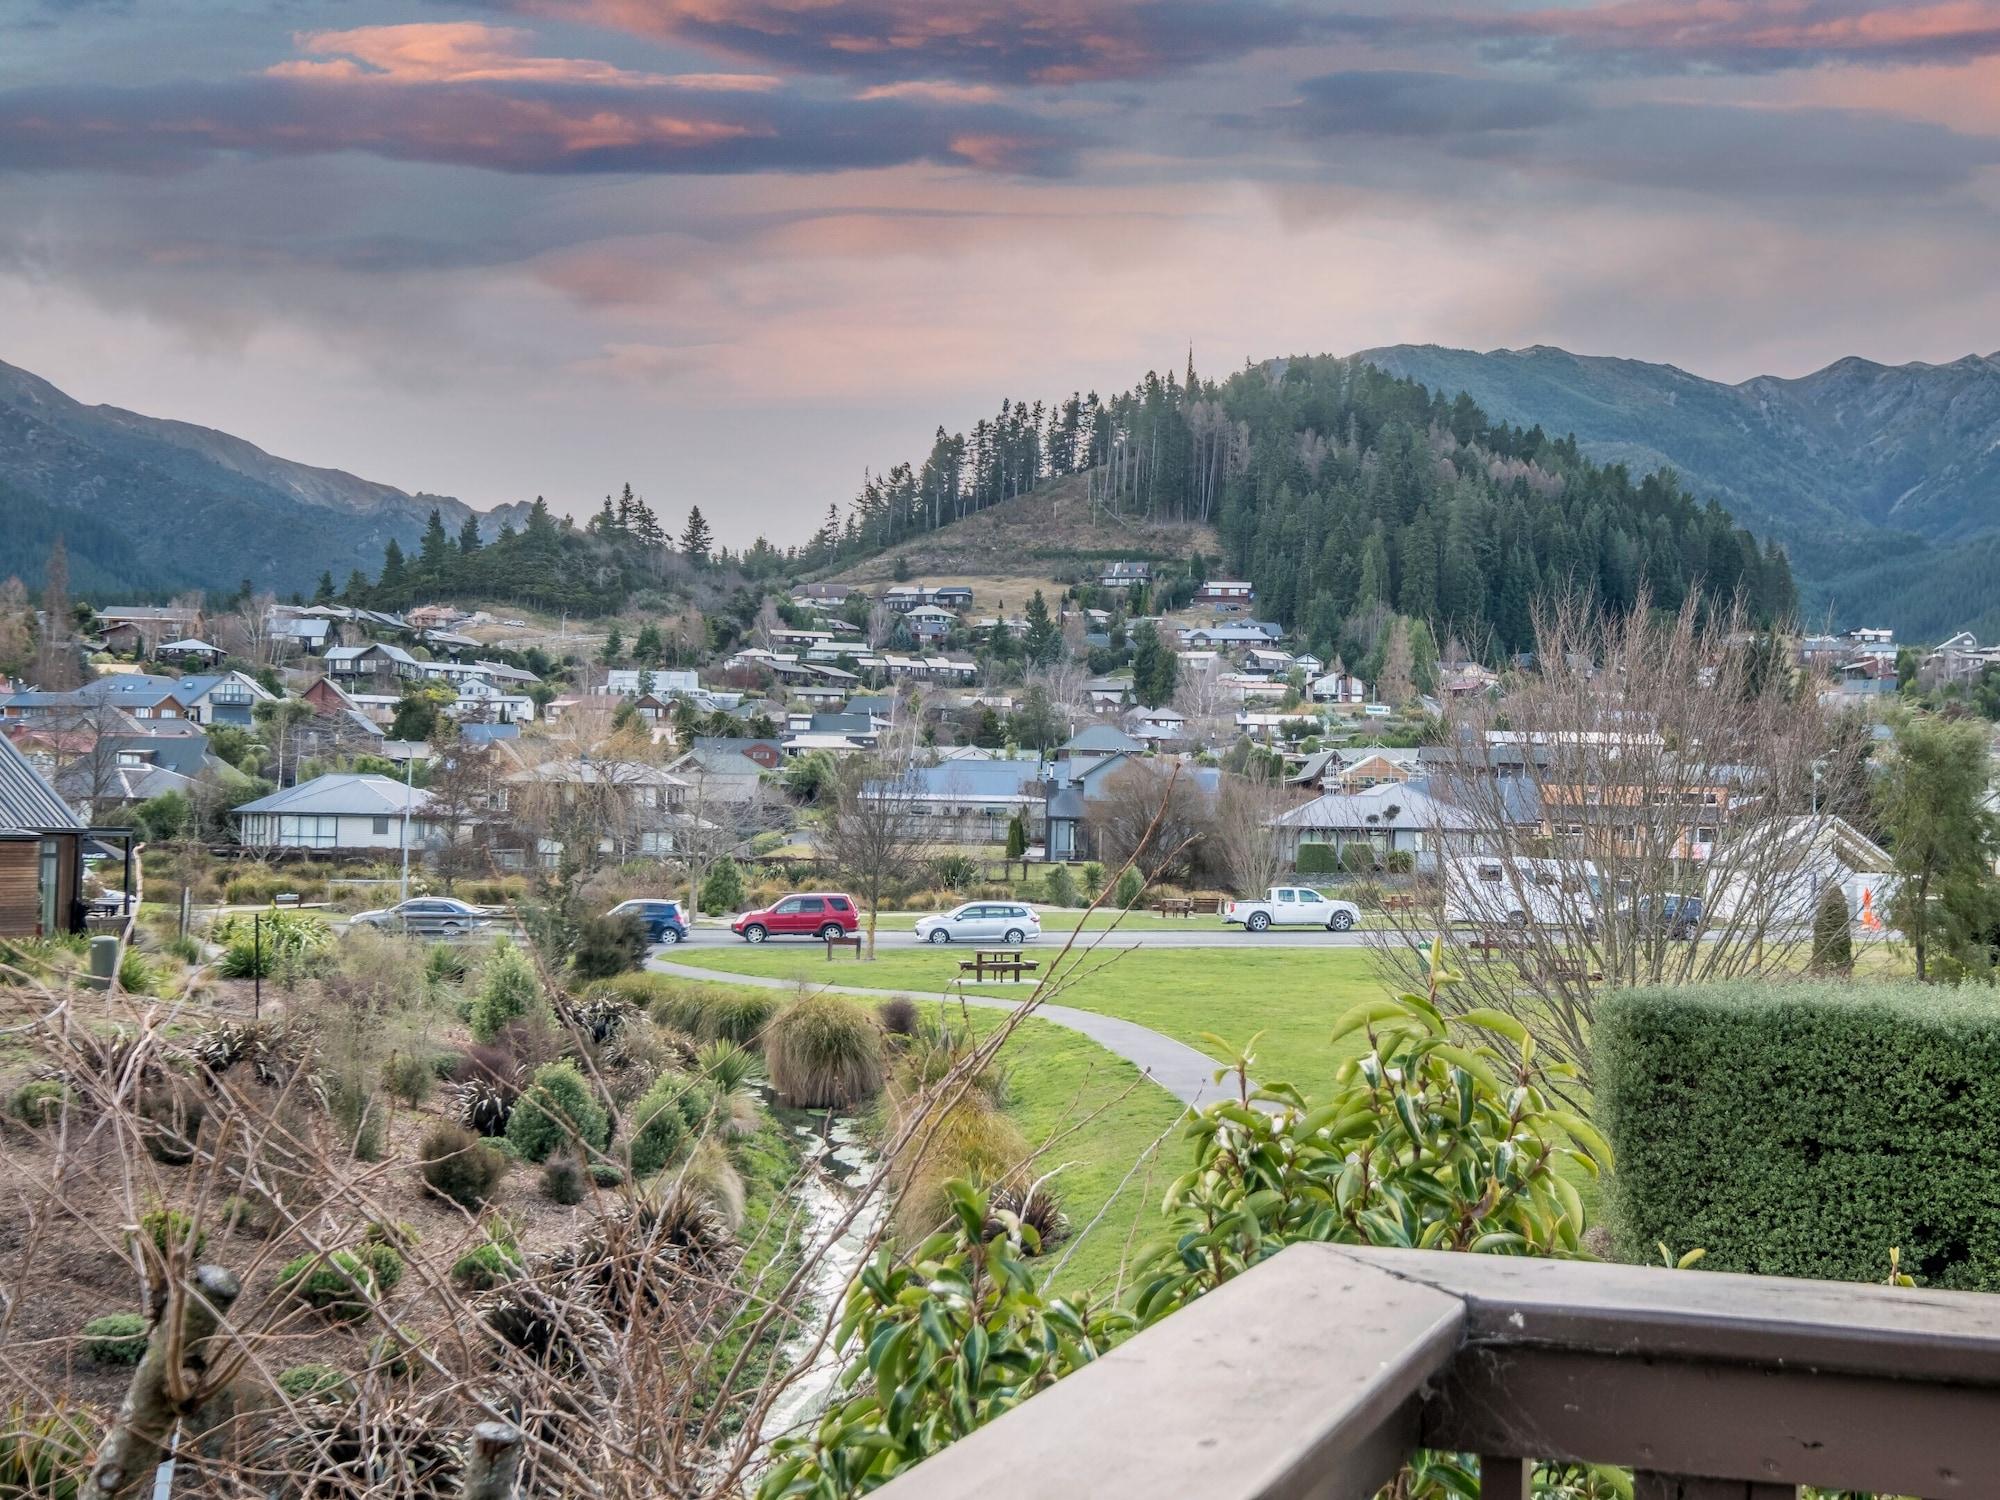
(381, 827)
(1704, 835)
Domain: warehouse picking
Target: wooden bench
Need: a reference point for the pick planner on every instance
(1174, 906)
(1569, 969)
(1205, 906)
(1005, 962)
(1492, 940)
(1399, 901)
(845, 940)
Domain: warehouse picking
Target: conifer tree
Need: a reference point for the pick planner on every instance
(696, 538)
(324, 593)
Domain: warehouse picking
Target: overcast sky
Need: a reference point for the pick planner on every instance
(736, 250)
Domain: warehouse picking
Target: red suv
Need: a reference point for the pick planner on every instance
(820, 916)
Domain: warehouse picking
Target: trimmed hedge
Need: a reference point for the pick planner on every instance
(1318, 859)
(1803, 1129)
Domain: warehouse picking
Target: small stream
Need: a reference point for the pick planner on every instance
(840, 1163)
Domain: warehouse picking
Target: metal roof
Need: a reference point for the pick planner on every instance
(27, 801)
(355, 795)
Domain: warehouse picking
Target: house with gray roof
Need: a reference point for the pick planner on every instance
(340, 813)
(41, 853)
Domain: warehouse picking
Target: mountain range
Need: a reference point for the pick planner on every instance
(1882, 481)
(151, 506)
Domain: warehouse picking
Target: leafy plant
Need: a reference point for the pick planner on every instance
(409, 1078)
(341, 1285)
(457, 1165)
(563, 1180)
(40, 1101)
(115, 1339)
(659, 1125)
(45, 1455)
(943, 1341)
(722, 887)
(314, 1383)
(509, 989)
(261, 944)
(608, 945)
(168, 1229)
(1833, 937)
(559, 1108)
(486, 1266)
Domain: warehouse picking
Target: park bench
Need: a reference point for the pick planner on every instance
(1001, 962)
(1205, 906)
(1174, 906)
(1399, 901)
(1492, 940)
(1568, 968)
(844, 940)
(286, 898)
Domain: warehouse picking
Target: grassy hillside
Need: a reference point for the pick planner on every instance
(1031, 537)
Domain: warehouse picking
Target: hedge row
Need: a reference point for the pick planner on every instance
(1803, 1129)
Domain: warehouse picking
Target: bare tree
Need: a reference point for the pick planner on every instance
(1654, 804)
(255, 627)
(1204, 702)
(877, 832)
(1244, 841)
(464, 794)
(1150, 812)
(56, 669)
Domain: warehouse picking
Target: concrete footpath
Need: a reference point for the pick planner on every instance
(1176, 1067)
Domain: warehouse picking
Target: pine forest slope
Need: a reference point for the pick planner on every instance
(1882, 481)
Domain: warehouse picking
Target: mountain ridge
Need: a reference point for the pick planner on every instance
(63, 462)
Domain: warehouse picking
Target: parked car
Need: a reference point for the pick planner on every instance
(1291, 906)
(427, 916)
(982, 922)
(663, 920)
(821, 915)
(1679, 917)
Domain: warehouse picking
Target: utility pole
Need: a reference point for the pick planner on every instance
(409, 770)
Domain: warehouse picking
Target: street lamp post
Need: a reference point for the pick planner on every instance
(409, 769)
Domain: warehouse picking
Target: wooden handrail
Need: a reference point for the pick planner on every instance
(1315, 1375)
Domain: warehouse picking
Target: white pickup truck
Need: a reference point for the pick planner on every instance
(1291, 906)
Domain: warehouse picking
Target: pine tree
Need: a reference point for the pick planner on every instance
(356, 592)
(324, 593)
(696, 538)
(614, 647)
(434, 560)
(468, 536)
(1017, 837)
(1043, 642)
(648, 650)
(393, 587)
(1833, 938)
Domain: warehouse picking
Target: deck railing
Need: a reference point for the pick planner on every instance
(1314, 1376)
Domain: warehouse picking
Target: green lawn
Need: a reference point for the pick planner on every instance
(1291, 995)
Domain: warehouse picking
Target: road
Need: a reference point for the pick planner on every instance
(1195, 935)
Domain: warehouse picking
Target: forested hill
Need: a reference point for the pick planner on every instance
(1337, 488)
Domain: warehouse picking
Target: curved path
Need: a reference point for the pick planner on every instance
(1176, 1067)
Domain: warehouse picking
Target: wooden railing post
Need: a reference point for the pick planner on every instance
(1650, 1486)
(1507, 1479)
(492, 1462)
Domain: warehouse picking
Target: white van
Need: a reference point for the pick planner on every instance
(1492, 890)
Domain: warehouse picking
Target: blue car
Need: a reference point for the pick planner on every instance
(663, 920)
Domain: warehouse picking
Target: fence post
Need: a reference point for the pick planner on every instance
(492, 1462)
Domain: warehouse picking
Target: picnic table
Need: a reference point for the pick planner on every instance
(1174, 906)
(1492, 940)
(1399, 901)
(1002, 962)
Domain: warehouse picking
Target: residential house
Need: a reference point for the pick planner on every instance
(952, 596)
(379, 660)
(967, 801)
(1224, 591)
(480, 700)
(632, 809)
(223, 698)
(631, 681)
(1467, 680)
(720, 774)
(433, 617)
(901, 598)
(140, 629)
(1108, 692)
(1124, 574)
(1155, 727)
(1392, 817)
(339, 813)
(1079, 781)
(191, 652)
(929, 623)
(1263, 661)
(1337, 687)
(1232, 637)
(41, 853)
(1359, 770)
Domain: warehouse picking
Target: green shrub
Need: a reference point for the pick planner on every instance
(710, 1014)
(824, 1053)
(460, 1167)
(295, 941)
(341, 1285)
(1833, 937)
(658, 1125)
(314, 1382)
(1805, 1129)
(501, 1147)
(136, 975)
(508, 990)
(446, 963)
(183, 947)
(608, 945)
(394, 1353)
(1061, 887)
(169, 1228)
(558, 1109)
(115, 1339)
(1093, 880)
(1357, 859)
(360, 1121)
(1318, 859)
(722, 887)
(563, 1180)
(386, 1262)
(39, 1101)
(409, 1077)
(606, 1174)
(484, 1267)
(1400, 862)
(1131, 886)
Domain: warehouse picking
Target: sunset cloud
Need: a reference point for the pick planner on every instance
(447, 52)
(994, 41)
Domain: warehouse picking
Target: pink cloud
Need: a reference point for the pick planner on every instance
(933, 90)
(1767, 33)
(469, 52)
